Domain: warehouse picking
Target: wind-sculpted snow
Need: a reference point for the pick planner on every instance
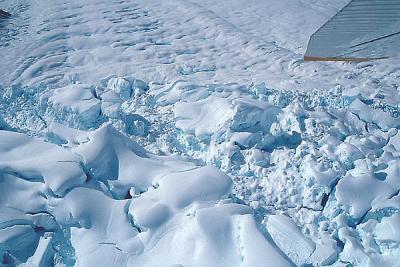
(182, 224)
(33, 160)
(190, 133)
(132, 207)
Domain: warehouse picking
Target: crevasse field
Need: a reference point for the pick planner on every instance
(191, 133)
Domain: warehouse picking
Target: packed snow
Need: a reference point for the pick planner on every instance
(192, 133)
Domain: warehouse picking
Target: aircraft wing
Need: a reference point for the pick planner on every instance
(361, 31)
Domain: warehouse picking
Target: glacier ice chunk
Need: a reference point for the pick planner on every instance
(203, 117)
(388, 230)
(361, 188)
(289, 239)
(121, 86)
(74, 102)
(379, 117)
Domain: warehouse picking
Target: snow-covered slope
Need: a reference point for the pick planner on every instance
(191, 133)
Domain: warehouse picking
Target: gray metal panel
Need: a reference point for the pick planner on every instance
(362, 29)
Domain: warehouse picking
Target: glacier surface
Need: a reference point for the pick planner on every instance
(191, 133)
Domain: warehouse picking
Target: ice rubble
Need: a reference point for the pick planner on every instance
(321, 181)
(324, 160)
